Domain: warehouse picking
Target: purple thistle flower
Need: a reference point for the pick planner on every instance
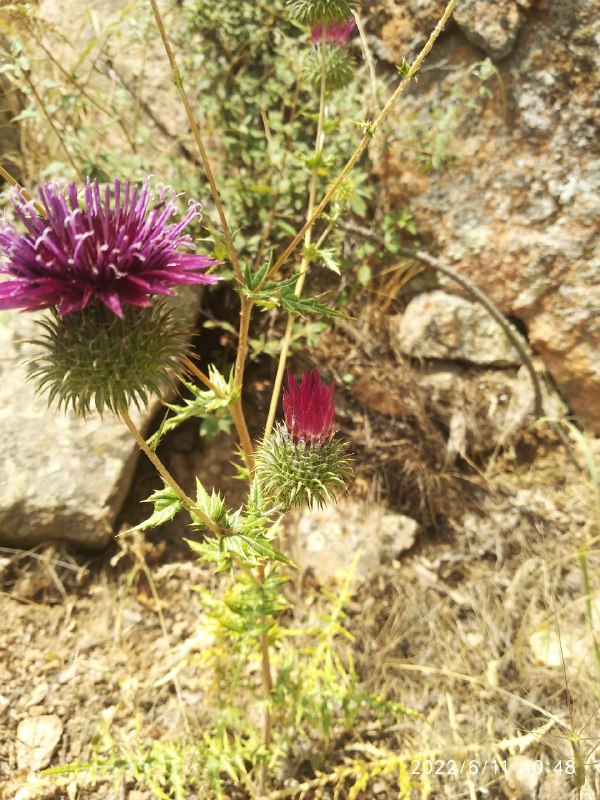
(338, 32)
(309, 409)
(113, 251)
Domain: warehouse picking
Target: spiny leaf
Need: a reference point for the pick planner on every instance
(202, 403)
(212, 505)
(307, 305)
(166, 505)
(248, 547)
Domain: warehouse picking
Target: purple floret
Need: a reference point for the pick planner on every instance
(113, 251)
(309, 409)
(338, 33)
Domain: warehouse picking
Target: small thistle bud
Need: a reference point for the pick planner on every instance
(340, 68)
(96, 359)
(301, 463)
(321, 12)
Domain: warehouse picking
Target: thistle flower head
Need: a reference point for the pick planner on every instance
(107, 248)
(300, 463)
(336, 33)
(309, 409)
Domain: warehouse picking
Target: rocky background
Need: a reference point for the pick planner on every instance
(515, 205)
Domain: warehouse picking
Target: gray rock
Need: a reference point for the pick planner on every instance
(492, 25)
(61, 478)
(326, 541)
(443, 326)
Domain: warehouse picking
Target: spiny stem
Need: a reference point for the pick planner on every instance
(199, 141)
(312, 196)
(235, 410)
(363, 144)
(202, 377)
(166, 475)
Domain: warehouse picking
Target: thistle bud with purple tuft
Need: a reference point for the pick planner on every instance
(301, 463)
(330, 54)
(336, 33)
(98, 263)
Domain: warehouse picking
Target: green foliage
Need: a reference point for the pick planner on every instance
(247, 608)
(212, 505)
(94, 359)
(317, 702)
(303, 306)
(248, 532)
(166, 506)
(203, 404)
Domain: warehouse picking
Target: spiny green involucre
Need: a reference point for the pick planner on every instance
(93, 359)
(321, 12)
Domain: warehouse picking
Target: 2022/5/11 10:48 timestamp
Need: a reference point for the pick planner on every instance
(472, 767)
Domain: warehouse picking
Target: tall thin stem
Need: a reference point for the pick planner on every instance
(199, 141)
(53, 126)
(166, 475)
(312, 196)
(234, 409)
(372, 129)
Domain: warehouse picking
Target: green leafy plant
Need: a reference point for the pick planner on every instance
(284, 141)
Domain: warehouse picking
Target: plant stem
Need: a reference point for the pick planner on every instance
(166, 475)
(372, 129)
(234, 409)
(53, 126)
(312, 196)
(14, 182)
(368, 56)
(267, 682)
(199, 141)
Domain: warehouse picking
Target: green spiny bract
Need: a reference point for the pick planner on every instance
(94, 359)
(340, 68)
(321, 12)
(298, 474)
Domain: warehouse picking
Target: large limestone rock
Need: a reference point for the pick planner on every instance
(515, 201)
(61, 478)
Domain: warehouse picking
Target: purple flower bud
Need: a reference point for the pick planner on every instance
(309, 409)
(338, 32)
(108, 248)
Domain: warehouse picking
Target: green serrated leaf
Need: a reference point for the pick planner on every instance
(202, 403)
(166, 505)
(242, 545)
(307, 305)
(211, 504)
